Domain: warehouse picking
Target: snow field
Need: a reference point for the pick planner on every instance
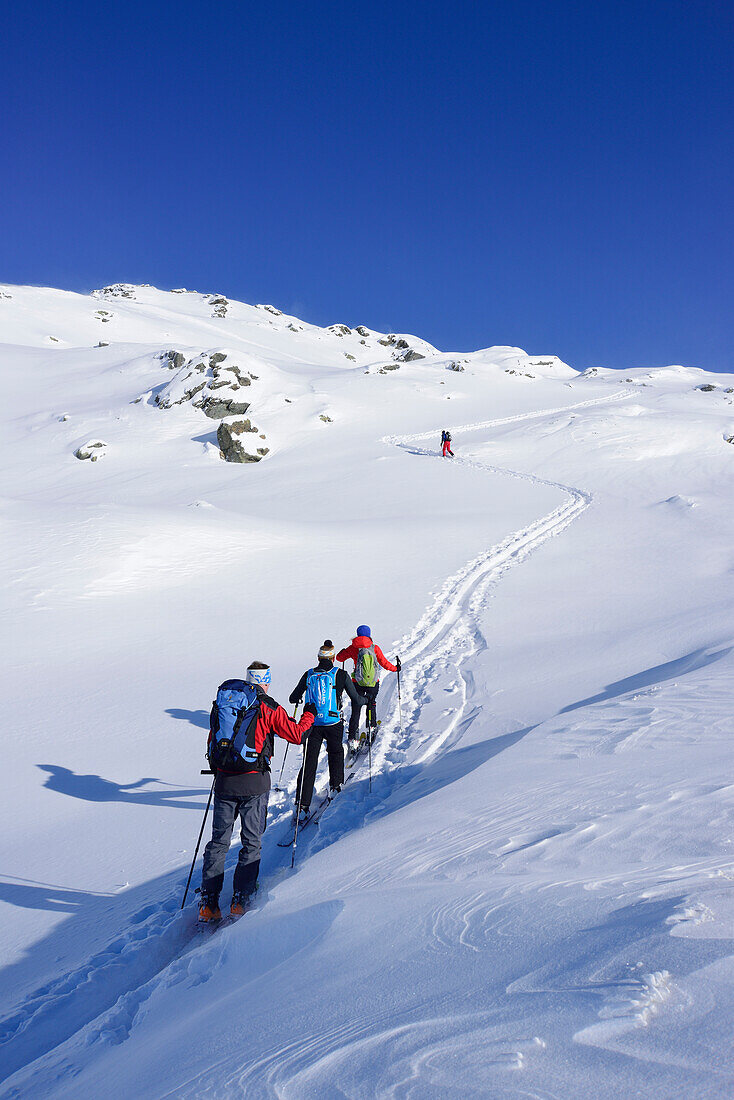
(533, 898)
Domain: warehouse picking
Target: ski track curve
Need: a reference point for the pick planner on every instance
(99, 999)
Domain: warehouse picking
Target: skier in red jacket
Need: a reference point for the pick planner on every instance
(245, 795)
(446, 444)
(366, 656)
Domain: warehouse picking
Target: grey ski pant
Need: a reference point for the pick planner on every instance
(253, 812)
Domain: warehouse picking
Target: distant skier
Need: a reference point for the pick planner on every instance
(242, 725)
(367, 657)
(446, 444)
(323, 687)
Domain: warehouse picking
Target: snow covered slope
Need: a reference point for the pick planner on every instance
(535, 897)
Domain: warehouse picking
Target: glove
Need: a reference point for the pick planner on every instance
(309, 709)
(398, 664)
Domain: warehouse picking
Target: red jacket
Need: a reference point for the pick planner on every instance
(362, 642)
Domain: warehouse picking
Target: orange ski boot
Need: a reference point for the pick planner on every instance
(209, 910)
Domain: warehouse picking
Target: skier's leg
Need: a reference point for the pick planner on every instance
(313, 748)
(335, 749)
(372, 707)
(253, 816)
(354, 719)
(215, 853)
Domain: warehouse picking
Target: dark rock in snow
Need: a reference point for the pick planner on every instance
(116, 290)
(706, 387)
(175, 359)
(453, 365)
(92, 449)
(216, 409)
(362, 330)
(231, 445)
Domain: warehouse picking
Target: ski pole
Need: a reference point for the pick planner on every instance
(201, 833)
(285, 754)
(369, 753)
(298, 806)
(400, 704)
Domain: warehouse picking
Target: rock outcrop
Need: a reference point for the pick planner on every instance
(220, 304)
(116, 290)
(209, 381)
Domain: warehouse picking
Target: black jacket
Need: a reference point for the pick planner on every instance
(343, 683)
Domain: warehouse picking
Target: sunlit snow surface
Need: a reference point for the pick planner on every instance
(535, 899)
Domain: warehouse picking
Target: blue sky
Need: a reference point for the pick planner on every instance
(549, 174)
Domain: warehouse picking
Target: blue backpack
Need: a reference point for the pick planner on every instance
(321, 691)
(232, 725)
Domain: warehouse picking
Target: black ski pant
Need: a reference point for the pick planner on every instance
(371, 695)
(252, 811)
(334, 737)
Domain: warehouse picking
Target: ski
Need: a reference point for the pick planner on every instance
(363, 745)
(313, 816)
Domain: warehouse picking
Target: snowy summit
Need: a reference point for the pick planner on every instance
(524, 888)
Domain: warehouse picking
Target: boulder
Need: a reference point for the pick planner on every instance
(453, 365)
(174, 359)
(92, 449)
(231, 445)
(706, 388)
(362, 330)
(339, 330)
(216, 407)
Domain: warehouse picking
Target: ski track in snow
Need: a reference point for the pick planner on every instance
(101, 999)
